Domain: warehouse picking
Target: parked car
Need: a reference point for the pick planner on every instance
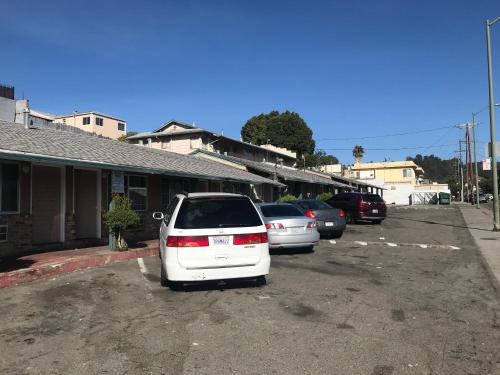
(483, 198)
(288, 227)
(212, 236)
(330, 221)
(360, 206)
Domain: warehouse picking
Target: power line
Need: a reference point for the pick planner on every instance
(390, 149)
(385, 135)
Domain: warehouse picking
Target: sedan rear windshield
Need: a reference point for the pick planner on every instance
(314, 205)
(275, 210)
(217, 212)
(372, 198)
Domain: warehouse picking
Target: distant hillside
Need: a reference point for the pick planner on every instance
(436, 169)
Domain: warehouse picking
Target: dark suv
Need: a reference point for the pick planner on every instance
(360, 206)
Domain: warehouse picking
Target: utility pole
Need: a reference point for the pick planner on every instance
(475, 157)
(468, 157)
(496, 206)
(461, 171)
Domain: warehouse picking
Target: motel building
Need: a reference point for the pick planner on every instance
(56, 184)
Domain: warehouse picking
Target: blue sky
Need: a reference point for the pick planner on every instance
(349, 68)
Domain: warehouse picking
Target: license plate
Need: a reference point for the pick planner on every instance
(375, 211)
(296, 230)
(329, 223)
(221, 240)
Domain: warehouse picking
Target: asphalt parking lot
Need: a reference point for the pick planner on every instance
(409, 296)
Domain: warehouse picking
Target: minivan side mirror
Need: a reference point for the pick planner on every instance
(158, 215)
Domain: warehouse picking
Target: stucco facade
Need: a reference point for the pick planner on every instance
(95, 122)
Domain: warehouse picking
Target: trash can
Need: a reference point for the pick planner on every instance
(444, 198)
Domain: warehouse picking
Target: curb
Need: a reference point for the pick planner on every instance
(495, 281)
(13, 278)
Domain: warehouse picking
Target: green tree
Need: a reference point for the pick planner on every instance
(121, 217)
(286, 129)
(358, 151)
(319, 158)
(123, 138)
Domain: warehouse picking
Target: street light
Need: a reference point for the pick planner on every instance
(496, 206)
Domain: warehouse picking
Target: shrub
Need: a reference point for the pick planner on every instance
(287, 198)
(121, 217)
(324, 196)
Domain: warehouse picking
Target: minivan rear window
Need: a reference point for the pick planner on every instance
(217, 212)
(372, 198)
(275, 210)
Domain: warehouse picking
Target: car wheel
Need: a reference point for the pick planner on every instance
(163, 276)
(175, 285)
(337, 234)
(260, 281)
(349, 218)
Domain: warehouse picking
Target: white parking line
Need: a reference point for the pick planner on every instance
(398, 244)
(142, 266)
(144, 271)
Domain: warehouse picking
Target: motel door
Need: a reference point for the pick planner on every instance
(86, 185)
(46, 204)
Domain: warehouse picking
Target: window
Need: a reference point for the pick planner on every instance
(137, 192)
(99, 121)
(121, 126)
(217, 212)
(407, 172)
(3, 233)
(9, 187)
(275, 210)
(86, 120)
(358, 174)
(314, 205)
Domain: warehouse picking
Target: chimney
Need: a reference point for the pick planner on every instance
(26, 117)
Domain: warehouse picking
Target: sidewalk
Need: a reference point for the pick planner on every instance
(49, 264)
(480, 224)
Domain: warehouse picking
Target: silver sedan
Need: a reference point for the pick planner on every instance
(288, 227)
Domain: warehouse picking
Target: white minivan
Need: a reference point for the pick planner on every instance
(212, 236)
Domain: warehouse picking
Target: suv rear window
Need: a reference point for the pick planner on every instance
(217, 212)
(280, 210)
(372, 198)
(314, 205)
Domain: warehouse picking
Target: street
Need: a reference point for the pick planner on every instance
(409, 296)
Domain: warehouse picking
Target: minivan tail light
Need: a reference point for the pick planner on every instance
(310, 214)
(341, 213)
(249, 238)
(187, 241)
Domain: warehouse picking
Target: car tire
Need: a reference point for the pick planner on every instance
(349, 218)
(175, 285)
(309, 249)
(163, 276)
(260, 281)
(337, 234)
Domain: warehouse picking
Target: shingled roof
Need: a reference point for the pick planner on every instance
(287, 173)
(68, 148)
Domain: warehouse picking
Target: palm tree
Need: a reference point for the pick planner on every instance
(358, 152)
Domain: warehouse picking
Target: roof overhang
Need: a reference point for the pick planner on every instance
(59, 161)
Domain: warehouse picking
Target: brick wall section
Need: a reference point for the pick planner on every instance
(70, 227)
(19, 234)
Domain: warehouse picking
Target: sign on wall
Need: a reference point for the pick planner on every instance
(117, 182)
(487, 165)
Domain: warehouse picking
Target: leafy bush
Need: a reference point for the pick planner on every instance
(324, 196)
(121, 217)
(287, 198)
